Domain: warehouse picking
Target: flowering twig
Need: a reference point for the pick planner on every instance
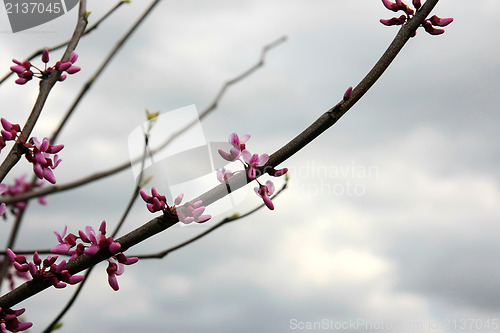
(225, 221)
(164, 222)
(63, 44)
(45, 88)
(102, 67)
(134, 196)
(102, 174)
(75, 103)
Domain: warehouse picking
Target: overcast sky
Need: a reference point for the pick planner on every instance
(391, 216)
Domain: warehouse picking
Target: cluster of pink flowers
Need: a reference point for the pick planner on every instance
(429, 24)
(26, 71)
(252, 163)
(20, 186)
(8, 133)
(9, 321)
(187, 213)
(39, 155)
(46, 269)
(92, 242)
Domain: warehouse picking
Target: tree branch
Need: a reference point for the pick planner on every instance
(126, 165)
(45, 88)
(164, 222)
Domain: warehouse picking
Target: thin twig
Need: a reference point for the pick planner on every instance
(63, 44)
(163, 222)
(103, 66)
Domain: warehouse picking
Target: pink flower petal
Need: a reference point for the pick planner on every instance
(113, 282)
(263, 159)
(268, 202)
(73, 57)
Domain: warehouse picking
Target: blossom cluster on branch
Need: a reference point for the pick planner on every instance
(26, 70)
(187, 213)
(20, 186)
(46, 269)
(428, 24)
(251, 163)
(91, 243)
(9, 321)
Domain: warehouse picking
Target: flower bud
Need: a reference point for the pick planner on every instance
(347, 94)
(390, 5)
(45, 56)
(440, 22)
(430, 29)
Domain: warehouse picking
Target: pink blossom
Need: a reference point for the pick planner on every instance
(154, 203)
(430, 29)
(278, 173)
(9, 321)
(223, 175)
(117, 268)
(394, 21)
(254, 161)
(187, 213)
(179, 198)
(65, 243)
(20, 186)
(192, 212)
(417, 4)
(25, 73)
(98, 240)
(440, 22)
(73, 70)
(73, 57)
(114, 269)
(390, 5)
(92, 242)
(238, 147)
(264, 191)
(46, 269)
(39, 155)
(8, 133)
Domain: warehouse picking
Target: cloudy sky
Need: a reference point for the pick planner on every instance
(391, 216)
